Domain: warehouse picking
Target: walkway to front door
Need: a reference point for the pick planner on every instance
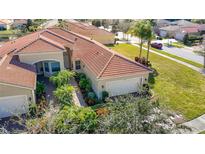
(49, 88)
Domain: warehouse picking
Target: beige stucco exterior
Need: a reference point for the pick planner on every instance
(12, 90)
(99, 85)
(32, 58)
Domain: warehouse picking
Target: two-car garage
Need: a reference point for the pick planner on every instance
(13, 105)
(14, 100)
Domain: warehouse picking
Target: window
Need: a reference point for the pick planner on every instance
(77, 65)
(55, 66)
(46, 66)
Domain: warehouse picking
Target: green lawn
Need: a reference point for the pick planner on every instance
(177, 86)
(202, 132)
(7, 32)
(177, 57)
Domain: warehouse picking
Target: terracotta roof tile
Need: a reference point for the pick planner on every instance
(17, 73)
(40, 45)
(102, 61)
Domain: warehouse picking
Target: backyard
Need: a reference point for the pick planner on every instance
(178, 87)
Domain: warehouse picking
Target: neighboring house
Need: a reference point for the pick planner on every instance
(85, 29)
(5, 24)
(184, 23)
(178, 32)
(50, 23)
(19, 23)
(168, 31)
(48, 51)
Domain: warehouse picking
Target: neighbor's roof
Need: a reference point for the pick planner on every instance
(86, 29)
(170, 28)
(20, 21)
(190, 29)
(5, 21)
(100, 60)
(185, 23)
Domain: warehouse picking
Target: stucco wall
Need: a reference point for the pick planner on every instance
(92, 77)
(102, 83)
(37, 57)
(7, 90)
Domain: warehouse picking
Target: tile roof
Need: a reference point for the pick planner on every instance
(190, 29)
(86, 29)
(17, 73)
(102, 61)
(5, 21)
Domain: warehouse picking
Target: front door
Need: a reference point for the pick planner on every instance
(50, 67)
(39, 68)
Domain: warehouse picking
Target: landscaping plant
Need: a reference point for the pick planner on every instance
(62, 78)
(64, 94)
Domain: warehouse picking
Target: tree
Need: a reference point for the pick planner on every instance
(149, 36)
(131, 115)
(139, 30)
(61, 78)
(124, 27)
(62, 23)
(199, 21)
(96, 22)
(186, 39)
(64, 94)
(75, 120)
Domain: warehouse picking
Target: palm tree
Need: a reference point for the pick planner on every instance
(149, 36)
(139, 30)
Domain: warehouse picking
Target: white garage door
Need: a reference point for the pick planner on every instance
(13, 105)
(120, 87)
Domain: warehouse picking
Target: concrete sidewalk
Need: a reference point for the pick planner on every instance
(77, 95)
(197, 125)
(200, 70)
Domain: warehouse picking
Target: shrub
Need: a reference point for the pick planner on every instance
(62, 78)
(91, 98)
(64, 94)
(85, 83)
(80, 76)
(75, 120)
(40, 89)
(105, 95)
(88, 88)
(32, 109)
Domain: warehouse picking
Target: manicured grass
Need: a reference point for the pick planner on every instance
(202, 132)
(177, 86)
(7, 32)
(177, 57)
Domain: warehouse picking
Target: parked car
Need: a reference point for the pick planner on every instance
(156, 45)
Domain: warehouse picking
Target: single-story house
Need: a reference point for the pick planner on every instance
(101, 35)
(184, 23)
(178, 32)
(50, 50)
(19, 23)
(5, 24)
